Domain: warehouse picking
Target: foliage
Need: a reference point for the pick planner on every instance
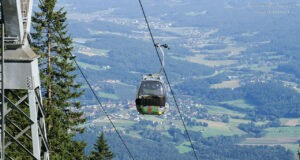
(225, 118)
(101, 150)
(192, 122)
(299, 152)
(210, 148)
(292, 67)
(229, 152)
(252, 129)
(53, 43)
(200, 88)
(273, 100)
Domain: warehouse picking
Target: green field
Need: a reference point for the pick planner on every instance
(239, 103)
(166, 134)
(83, 40)
(259, 123)
(290, 121)
(221, 110)
(255, 67)
(91, 51)
(236, 122)
(179, 30)
(183, 147)
(89, 66)
(153, 118)
(108, 95)
(225, 131)
(135, 134)
(258, 67)
(217, 128)
(212, 75)
(201, 59)
(230, 49)
(283, 132)
(284, 136)
(123, 124)
(227, 84)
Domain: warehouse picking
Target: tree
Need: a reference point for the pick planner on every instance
(53, 43)
(101, 150)
(299, 152)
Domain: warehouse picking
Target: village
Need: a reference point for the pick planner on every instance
(192, 112)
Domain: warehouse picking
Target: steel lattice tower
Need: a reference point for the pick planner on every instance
(22, 114)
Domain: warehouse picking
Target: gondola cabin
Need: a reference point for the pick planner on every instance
(151, 96)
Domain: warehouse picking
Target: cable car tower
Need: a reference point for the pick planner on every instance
(20, 86)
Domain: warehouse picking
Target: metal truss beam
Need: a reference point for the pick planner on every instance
(27, 107)
(22, 115)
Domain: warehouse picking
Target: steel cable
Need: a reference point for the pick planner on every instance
(165, 73)
(95, 95)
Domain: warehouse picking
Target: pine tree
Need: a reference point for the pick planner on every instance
(53, 43)
(101, 150)
(299, 152)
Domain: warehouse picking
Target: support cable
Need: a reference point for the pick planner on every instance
(95, 95)
(173, 95)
